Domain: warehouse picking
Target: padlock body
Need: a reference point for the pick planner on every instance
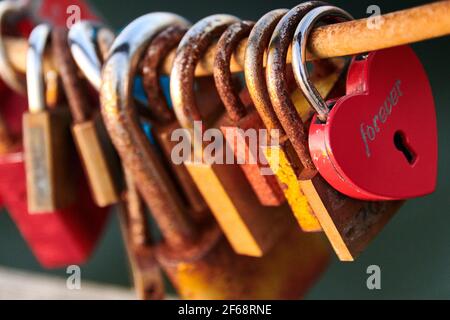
(251, 228)
(244, 138)
(46, 139)
(214, 271)
(99, 161)
(379, 141)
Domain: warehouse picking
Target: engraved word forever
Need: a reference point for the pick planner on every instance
(369, 131)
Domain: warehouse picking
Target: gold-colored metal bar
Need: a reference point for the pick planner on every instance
(347, 38)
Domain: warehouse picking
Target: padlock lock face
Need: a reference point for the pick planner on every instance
(98, 160)
(214, 271)
(49, 184)
(380, 139)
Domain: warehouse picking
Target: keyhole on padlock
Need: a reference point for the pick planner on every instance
(402, 145)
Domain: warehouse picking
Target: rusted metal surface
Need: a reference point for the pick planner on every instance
(130, 141)
(74, 86)
(163, 43)
(183, 72)
(278, 88)
(147, 275)
(165, 122)
(286, 164)
(225, 84)
(349, 224)
(213, 271)
(243, 118)
(255, 79)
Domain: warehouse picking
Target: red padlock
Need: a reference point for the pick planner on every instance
(57, 238)
(379, 141)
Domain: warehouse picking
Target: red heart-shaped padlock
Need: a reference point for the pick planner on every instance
(380, 140)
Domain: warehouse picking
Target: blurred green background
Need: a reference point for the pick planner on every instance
(413, 251)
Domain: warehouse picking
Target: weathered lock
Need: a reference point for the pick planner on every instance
(94, 148)
(282, 158)
(164, 122)
(46, 138)
(349, 223)
(196, 256)
(243, 121)
(251, 228)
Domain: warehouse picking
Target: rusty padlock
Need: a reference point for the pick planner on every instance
(50, 184)
(349, 223)
(164, 119)
(243, 120)
(196, 256)
(93, 145)
(251, 228)
(90, 43)
(282, 158)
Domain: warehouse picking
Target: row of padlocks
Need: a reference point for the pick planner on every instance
(302, 173)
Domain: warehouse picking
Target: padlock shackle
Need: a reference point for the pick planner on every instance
(155, 55)
(121, 120)
(304, 28)
(89, 43)
(277, 84)
(223, 78)
(8, 73)
(82, 37)
(191, 49)
(255, 78)
(35, 79)
(75, 88)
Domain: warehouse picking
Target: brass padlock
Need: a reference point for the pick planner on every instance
(164, 119)
(349, 223)
(46, 135)
(196, 256)
(93, 145)
(282, 158)
(243, 120)
(251, 228)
